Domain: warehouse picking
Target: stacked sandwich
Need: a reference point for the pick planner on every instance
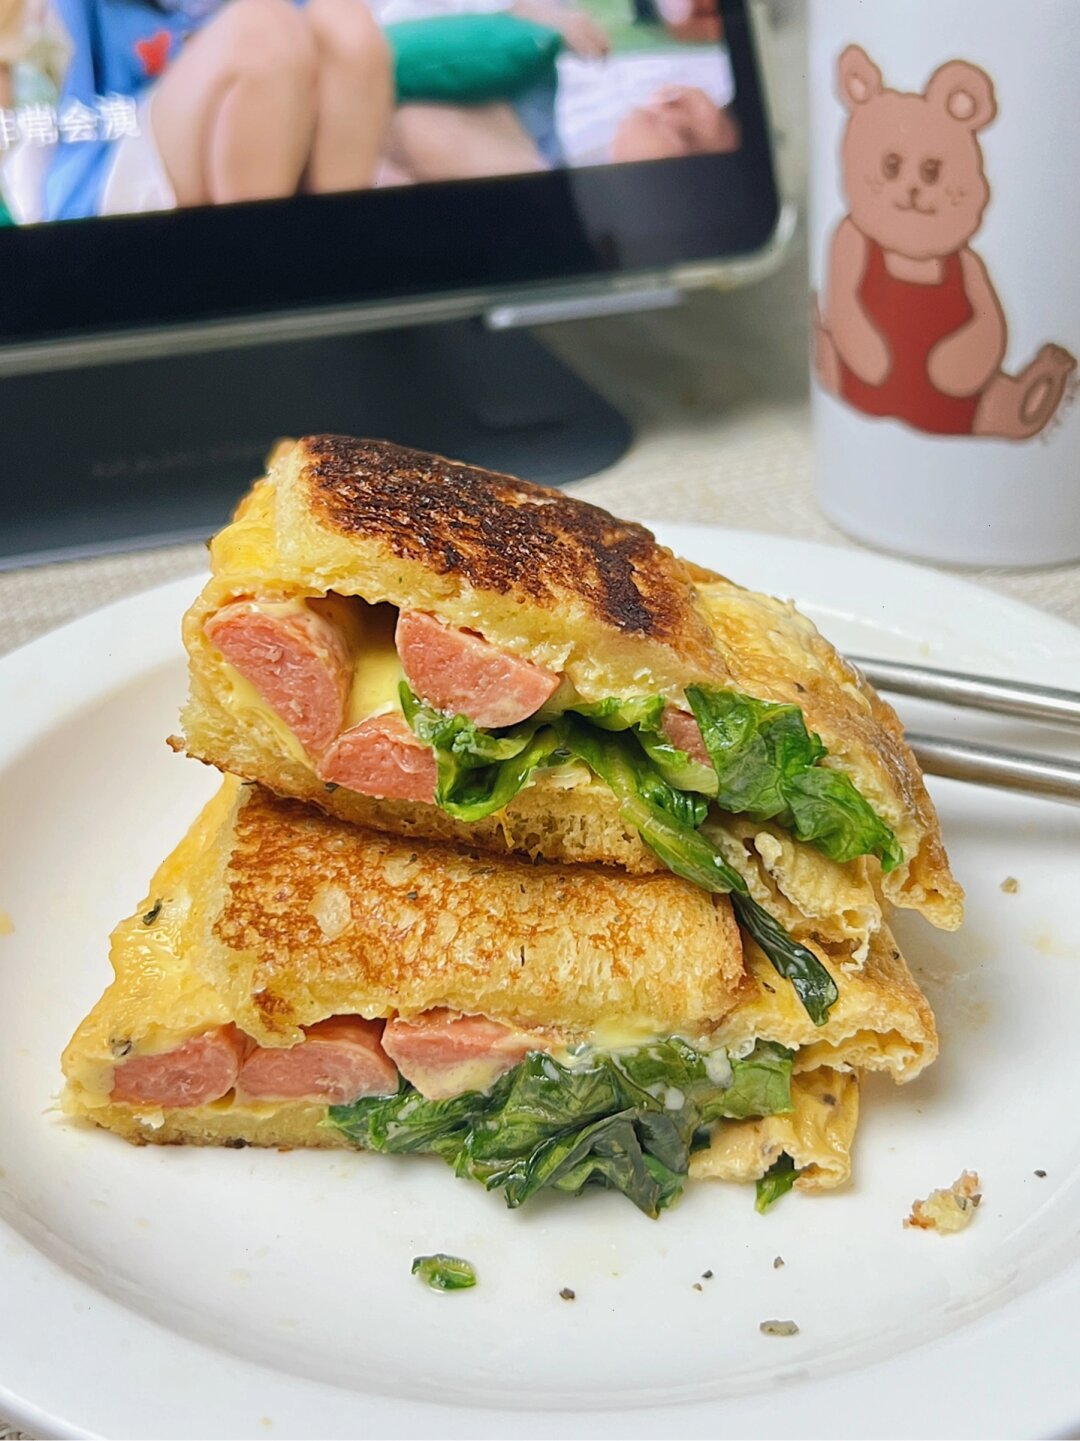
(539, 849)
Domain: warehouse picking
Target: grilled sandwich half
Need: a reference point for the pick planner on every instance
(437, 651)
(293, 980)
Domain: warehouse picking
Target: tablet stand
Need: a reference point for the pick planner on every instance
(155, 451)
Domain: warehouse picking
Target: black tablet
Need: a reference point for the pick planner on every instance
(164, 162)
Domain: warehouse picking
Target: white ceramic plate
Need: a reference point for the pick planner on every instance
(180, 1292)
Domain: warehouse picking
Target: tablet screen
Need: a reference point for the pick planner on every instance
(125, 107)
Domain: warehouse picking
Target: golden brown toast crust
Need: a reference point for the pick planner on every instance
(501, 534)
(304, 917)
(271, 916)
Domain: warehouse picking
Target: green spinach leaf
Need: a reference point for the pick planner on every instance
(767, 767)
(776, 1182)
(760, 1085)
(812, 982)
(623, 1120)
(643, 712)
(444, 1273)
(479, 772)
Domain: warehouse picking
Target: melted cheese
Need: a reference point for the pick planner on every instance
(377, 674)
(368, 631)
(156, 1002)
(244, 701)
(626, 1033)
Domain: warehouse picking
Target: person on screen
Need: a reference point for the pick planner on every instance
(677, 120)
(440, 142)
(590, 105)
(228, 100)
(593, 113)
(477, 83)
(692, 21)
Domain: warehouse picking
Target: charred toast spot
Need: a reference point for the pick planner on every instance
(498, 533)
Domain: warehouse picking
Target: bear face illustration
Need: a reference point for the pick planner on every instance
(912, 166)
(912, 328)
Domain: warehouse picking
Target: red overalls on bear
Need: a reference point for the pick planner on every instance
(912, 318)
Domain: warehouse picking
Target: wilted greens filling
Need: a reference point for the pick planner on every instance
(626, 1120)
(776, 1182)
(765, 764)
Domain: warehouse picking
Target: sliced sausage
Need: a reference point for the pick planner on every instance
(381, 757)
(200, 1070)
(338, 1061)
(681, 729)
(457, 671)
(443, 1053)
(297, 660)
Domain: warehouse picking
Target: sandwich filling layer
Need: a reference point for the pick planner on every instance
(481, 1096)
(293, 980)
(401, 706)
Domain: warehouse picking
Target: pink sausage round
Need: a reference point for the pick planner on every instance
(682, 730)
(381, 757)
(457, 671)
(429, 1048)
(339, 1060)
(200, 1070)
(298, 663)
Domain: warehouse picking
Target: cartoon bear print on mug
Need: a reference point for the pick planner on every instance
(913, 328)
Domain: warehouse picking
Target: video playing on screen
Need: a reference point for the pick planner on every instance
(117, 107)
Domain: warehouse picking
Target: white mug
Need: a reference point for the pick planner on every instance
(944, 212)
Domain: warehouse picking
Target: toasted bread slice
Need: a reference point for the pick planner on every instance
(270, 918)
(557, 584)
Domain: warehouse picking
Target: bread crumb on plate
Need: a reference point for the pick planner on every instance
(948, 1210)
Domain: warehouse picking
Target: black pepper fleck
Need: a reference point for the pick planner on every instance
(1040, 1174)
(412, 895)
(152, 914)
(698, 1286)
(778, 1261)
(567, 1294)
(706, 1275)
